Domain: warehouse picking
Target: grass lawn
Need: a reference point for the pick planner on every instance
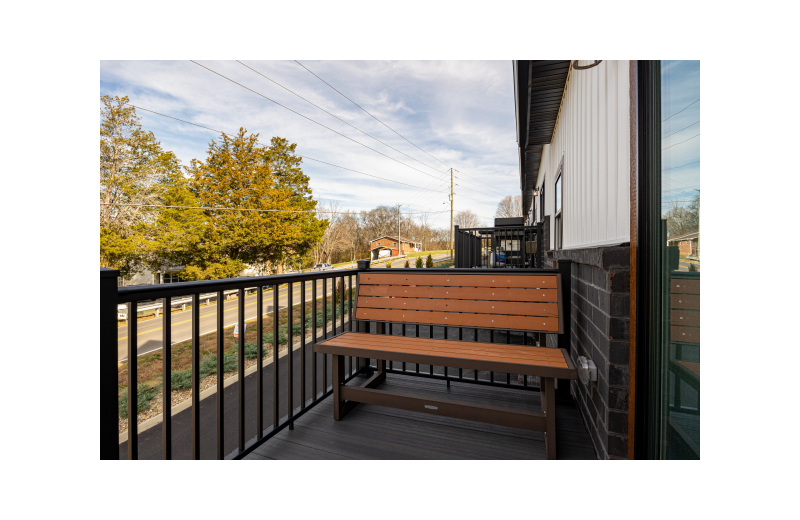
(149, 366)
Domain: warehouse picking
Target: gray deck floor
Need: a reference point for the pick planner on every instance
(375, 432)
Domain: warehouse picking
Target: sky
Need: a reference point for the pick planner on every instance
(680, 131)
(459, 112)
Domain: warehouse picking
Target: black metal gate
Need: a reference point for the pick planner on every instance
(473, 246)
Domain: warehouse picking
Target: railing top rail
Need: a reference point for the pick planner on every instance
(151, 292)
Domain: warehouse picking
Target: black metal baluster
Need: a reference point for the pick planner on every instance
(290, 354)
(491, 340)
(525, 342)
(275, 352)
(461, 338)
(220, 375)
(404, 335)
(133, 402)
(196, 376)
(475, 375)
(314, 338)
(416, 335)
(240, 386)
(391, 333)
(508, 342)
(166, 381)
(260, 362)
(430, 335)
(324, 334)
(302, 344)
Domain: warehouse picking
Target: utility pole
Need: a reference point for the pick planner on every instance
(451, 213)
(399, 242)
(698, 223)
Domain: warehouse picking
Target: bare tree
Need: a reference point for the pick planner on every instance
(334, 238)
(466, 219)
(510, 206)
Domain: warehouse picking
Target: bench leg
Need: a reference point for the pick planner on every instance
(337, 364)
(548, 393)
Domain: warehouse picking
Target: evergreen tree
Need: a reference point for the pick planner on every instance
(239, 173)
(132, 168)
(419, 262)
(429, 262)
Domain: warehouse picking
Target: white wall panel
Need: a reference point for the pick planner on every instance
(593, 137)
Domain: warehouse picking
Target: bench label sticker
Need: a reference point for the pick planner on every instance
(431, 407)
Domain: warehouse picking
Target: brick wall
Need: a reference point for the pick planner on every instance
(600, 331)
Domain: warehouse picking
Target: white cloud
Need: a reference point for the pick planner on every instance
(460, 112)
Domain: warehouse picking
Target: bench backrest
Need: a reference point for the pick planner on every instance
(502, 300)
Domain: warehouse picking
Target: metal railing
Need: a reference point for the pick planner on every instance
(282, 393)
(520, 243)
(111, 296)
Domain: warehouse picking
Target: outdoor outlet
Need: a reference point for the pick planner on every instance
(587, 370)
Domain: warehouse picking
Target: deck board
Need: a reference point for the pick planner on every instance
(376, 432)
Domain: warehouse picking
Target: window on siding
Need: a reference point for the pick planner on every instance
(541, 201)
(558, 220)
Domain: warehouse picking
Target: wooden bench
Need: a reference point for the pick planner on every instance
(508, 301)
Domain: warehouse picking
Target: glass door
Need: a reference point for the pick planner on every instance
(680, 211)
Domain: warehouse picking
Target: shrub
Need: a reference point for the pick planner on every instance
(429, 262)
(209, 365)
(389, 264)
(692, 267)
(144, 394)
(419, 262)
(297, 329)
(181, 379)
(407, 265)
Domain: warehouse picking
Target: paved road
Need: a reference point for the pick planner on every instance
(149, 335)
(411, 261)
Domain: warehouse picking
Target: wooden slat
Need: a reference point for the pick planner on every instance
(681, 286)
(685, 334)
(461, 293)
(474, 306)
(498, 352)
(453, 348)
(684, 318)
(692, 367)
(484, 321)
(448, 408)
(685, 301)
(462, 280)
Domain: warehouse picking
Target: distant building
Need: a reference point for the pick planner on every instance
(687, 243)
(386, 246)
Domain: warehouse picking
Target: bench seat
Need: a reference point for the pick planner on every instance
(495, 357)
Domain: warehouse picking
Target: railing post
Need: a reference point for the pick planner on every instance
(458, 254)
(109, 411)
(564, 340)
(361, 363)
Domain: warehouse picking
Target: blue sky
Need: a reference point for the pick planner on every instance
(680, 130)
(461, 112)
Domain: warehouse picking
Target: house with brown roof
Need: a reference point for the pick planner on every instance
(386, 246)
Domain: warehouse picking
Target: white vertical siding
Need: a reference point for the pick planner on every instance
(593, 137)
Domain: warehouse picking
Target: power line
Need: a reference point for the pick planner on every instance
(471, 177)
(375, 118)
(684, 108)
(676, 144)
(368, 174)
(337, 117)
(308, 118)
(681, 166)
(387, 126)
(304, 157)
(241, 209)
(681, 130)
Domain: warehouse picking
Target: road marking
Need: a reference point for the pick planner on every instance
(214, 314)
